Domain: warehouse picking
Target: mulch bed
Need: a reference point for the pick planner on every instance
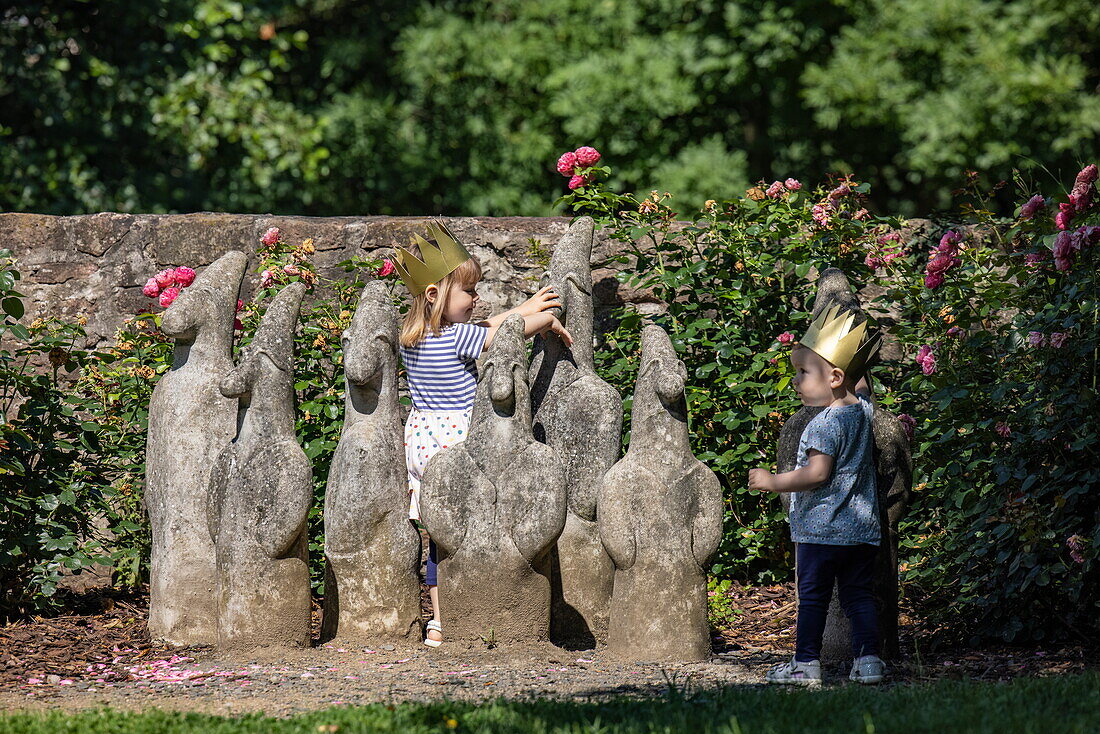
(104, 636)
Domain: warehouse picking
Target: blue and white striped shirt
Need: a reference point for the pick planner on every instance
(441, 370)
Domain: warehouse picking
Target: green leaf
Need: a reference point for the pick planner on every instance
(13, 307)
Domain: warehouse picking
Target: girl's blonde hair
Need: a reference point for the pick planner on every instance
(425, 317)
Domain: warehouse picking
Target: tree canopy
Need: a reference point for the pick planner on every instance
(461, 108)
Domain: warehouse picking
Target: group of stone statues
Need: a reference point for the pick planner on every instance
(543, 531)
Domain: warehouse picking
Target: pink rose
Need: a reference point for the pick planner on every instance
(165, 278)
(776, 190)
(152, 288)
(954, 331)
(950, 237)
(873, 262)
(1034, 204)
(577, 182)
(840, 191)
(168, 295)
(1035, 339)
(932, 281)
(185, 276)
(1058, 339)
(240, 305)
(267, 279)
(291, 270)
(386, 269)
(567, 163)
(1003, 429)
(1064, 217)
(926, 358)
(909, 424)
(785, 338)
(271, 236)
(587, 156)
(792, 184)
(1035, 259)
(820, 215)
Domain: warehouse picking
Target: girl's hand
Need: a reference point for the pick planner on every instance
(543, 299)
(557, 328)
(761, 480)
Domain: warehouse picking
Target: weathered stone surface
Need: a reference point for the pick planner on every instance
(581, 417)
(260, 493)
(124, 250)
(190, 423)
(660, 518)
(372, 590)
(894, 479)
(495, 505)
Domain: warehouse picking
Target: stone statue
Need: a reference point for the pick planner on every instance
(495, 505)
(190, 422)
(660, 519)
(894, 469)
(581, 417)
(260, 492)
(372, 590)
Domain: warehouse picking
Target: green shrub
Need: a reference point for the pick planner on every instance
(1000, 345)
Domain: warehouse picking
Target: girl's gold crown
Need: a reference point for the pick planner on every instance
(833, 336)
(440, 254)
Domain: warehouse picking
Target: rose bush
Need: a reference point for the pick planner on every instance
(994, 321)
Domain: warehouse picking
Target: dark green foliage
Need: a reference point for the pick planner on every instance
(1002, 538)
(1065, 704)
(57, 506)
(343, 107)
(1003, 535)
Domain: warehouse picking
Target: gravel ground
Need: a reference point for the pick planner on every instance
(330, 676)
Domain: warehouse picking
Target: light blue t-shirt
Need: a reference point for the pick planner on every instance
(844, 510)
(441, 370)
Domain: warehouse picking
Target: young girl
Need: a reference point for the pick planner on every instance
(438, 348)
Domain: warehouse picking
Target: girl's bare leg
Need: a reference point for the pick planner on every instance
(433, 594)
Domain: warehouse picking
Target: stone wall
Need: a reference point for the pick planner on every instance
(95, 265)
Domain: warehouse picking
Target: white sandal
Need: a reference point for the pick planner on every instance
(433, 626)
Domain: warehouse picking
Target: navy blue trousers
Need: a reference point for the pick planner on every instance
(431, 570)
(852, 568)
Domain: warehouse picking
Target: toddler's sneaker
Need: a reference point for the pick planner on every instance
(868, 669)
(802, 674)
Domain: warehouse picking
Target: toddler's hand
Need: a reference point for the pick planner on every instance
(543, 299)
(557, 328)
(760, 479)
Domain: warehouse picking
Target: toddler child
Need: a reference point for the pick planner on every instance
(834, 508)
(438, 346)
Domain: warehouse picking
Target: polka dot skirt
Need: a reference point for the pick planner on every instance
(428, 432)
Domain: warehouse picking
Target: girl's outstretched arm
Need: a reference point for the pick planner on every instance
(543, 299)
(535, 324)
(536, 320)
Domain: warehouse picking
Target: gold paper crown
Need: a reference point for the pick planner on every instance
(441, 254)
(833, 337)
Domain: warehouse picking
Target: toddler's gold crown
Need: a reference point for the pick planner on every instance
(441, 253)
(833, 337)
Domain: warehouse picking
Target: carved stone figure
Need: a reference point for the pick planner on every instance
(260, 493)
(581, 417)
(190, 422)
(894, 475)
(495, 505)
(372, 550)
(660, 518)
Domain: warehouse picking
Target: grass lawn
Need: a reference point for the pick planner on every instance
(1047, 706)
